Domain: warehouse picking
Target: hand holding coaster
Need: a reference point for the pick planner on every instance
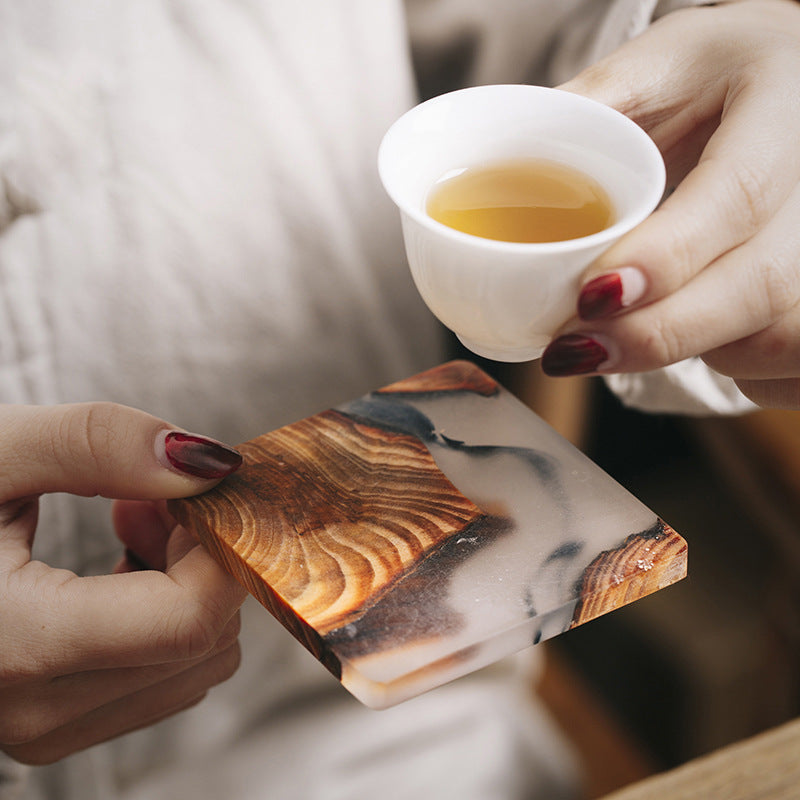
(428, 529)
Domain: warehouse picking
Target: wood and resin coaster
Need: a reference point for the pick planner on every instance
(428, 529)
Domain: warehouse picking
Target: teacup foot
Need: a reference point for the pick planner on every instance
(507, 354)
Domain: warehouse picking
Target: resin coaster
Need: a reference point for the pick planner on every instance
(428, 529)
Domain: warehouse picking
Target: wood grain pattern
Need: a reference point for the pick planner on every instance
(454, 376)
(325, 516)
(416, 609)
(765, 767)
(645, 563)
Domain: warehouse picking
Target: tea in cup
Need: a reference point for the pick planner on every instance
(506, 194)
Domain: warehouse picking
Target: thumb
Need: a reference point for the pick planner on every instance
(106, 449)
(60, 623)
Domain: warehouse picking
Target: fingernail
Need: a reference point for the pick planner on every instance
(609, 293)
(574, 354)
(199, 456)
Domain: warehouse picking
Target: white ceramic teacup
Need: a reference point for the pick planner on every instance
(505, 300)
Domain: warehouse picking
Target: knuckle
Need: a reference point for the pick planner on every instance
(749, 192)
(231, 632)
(661, 345)
(196, 631)
(90, 432)
(590, 79)
(777, 286)
(234, 627)
(677, 254)
(78, 440)
(226, 664)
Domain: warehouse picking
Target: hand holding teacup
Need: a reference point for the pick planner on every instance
(717, 267)
(506, 299)
(714, 273)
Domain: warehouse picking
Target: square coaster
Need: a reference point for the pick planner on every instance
(428, 529)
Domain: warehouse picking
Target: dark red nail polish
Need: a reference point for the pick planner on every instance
(600, 297)
(573, 354)
(200, 457)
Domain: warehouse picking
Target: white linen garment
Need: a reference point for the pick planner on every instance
(191, 223)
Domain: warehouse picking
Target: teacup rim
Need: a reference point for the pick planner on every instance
(648, 204)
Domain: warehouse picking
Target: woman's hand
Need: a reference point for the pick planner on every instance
(715, 271)
(84, 659)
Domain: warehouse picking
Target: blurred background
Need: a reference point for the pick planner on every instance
(715, 658)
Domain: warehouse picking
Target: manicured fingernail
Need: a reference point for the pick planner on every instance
(609, 293)
(199, 456)
(574, 354)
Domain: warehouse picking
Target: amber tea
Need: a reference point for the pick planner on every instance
(524, 200)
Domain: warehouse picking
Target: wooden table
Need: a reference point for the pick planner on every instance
(766, 767)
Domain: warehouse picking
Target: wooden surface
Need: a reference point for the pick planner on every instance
(643, 564)
(766, 767)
